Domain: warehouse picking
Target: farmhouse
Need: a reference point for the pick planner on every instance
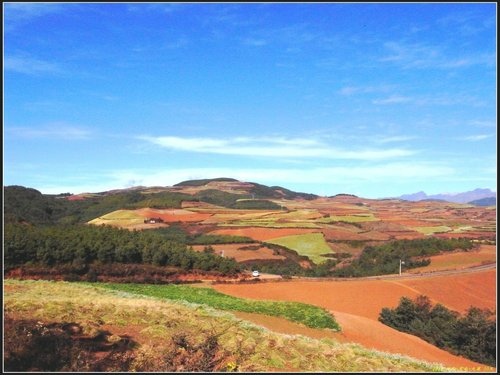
(153, 220)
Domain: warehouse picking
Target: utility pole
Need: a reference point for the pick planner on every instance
(400, 263)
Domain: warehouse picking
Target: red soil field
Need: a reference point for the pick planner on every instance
(263, 234)
(415, 223)
(341, 234)
(233, 251)
(405, 235)
(459, 260)
(173, 215)
(468, 234)
(347, 235)
(357, 304)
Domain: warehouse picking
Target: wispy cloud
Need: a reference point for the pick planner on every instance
(273, 147)
(393, 99)
(436, 100)
(475, 138)
(54, 131)
(152, 7)
(484, 123)
(401, 138)
(353, 90)
(418, 55)
(467, 23)
(344, 176)
(255, 42)
(17, 13)
(31, 66)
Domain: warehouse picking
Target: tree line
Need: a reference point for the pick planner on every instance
(385, 259)
(81, 245)
(472, 335)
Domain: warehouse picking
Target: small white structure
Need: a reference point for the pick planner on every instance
(255, 273)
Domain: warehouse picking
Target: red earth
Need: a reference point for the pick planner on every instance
(356, 304)
(173, 215)
(241, 255)
(263, 234)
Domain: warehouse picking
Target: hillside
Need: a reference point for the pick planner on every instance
(285, 236)
(219, 231)
(490, 201)
(128, 332)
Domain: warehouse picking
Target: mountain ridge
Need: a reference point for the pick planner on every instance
(464, 197)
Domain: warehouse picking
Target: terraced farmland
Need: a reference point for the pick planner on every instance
(312, 245)
(119, 218)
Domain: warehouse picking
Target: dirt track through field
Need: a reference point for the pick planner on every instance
(356, 305)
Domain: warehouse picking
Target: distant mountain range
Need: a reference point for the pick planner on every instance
(478, 197)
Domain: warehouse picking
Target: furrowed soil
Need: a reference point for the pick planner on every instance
(263, 234)
(356, 305)
(485, 254)
(243, 252)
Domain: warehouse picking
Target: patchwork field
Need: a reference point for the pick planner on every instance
(243, 252)
(312, 245)
(262, 234)
(485, 254)
(326, 221)
(287, 236)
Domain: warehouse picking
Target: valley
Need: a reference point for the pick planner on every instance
(308, 249)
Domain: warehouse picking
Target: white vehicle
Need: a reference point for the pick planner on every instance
(255, 273)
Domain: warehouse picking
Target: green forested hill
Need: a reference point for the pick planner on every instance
(22, 204)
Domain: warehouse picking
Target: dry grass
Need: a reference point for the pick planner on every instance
(120, 218)
(153, 324)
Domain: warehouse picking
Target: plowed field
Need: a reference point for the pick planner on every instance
(235, 251)
(173, 215)
(357, 303)
(262, 234)
(460, 260)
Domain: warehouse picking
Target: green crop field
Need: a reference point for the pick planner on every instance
(269, 224)
(432, 230)
(312, 245)
(311, 316)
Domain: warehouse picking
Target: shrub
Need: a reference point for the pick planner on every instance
(472, 335)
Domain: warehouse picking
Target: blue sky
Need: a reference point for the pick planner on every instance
(376, 100)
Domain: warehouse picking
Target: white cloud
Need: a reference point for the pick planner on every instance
(55, 130)
(254, 42)
(394, 139)
(340, 177)
(484, 123)
(31, 66)
(419, 55)
(351, 90)
(393, 99)
(15, 13)
(475, 138)
(272, 147)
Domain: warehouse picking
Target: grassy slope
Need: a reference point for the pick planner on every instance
(311, 245)
(119, 217)
(309, 315)
(154, 322)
